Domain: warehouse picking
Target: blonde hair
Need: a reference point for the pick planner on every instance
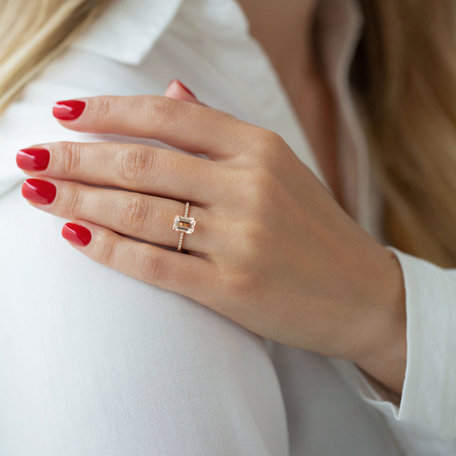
(33, 32)
(404, 73)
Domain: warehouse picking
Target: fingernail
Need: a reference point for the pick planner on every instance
(183, 86)
(68, 109)
(33, 159)
(76, 234)
(39, 191)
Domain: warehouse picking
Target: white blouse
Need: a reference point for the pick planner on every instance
(93, 362)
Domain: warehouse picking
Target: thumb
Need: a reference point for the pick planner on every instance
(179, 91)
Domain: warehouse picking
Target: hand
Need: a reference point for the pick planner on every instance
(272, 250)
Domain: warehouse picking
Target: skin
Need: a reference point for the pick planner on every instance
(273, 250)
(285, 36)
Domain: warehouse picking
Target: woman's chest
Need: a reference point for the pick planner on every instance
(315, 109)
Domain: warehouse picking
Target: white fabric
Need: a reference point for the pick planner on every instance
(93, 362)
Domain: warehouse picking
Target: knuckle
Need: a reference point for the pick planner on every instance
(255, 238)
(70, 157)
(163, 109)
(266, 141)
(261, 185)
(273, 139)
(244, 284)
(106, 249)
(134, 214)
(75, 201)
(153, 268)
(135, 164)
(103, 108)
(249, 240)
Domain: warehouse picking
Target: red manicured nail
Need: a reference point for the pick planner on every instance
(33, 159)
(68, 109)
(77, 234)
(184, 87)
(39, 191)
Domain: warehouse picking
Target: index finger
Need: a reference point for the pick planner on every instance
(188, 126)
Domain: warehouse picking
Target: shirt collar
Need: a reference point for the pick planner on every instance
(126, 31)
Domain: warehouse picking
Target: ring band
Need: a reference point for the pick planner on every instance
(183, 224)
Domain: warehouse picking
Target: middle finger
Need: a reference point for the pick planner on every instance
(135, 167)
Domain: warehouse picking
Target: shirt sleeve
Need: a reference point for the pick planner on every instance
(96, 361)
(424, 417)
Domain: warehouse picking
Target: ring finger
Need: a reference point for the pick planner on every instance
(146, 217)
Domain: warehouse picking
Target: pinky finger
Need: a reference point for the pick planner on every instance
(189, 275)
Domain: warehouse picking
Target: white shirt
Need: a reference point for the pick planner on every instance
(94, 362)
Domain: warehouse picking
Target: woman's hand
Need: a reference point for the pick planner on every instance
(272, 250)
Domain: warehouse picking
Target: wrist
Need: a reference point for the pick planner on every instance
(382, 352)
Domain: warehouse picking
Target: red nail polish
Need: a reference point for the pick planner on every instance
(39, 191)
(33, 159)
(68, 109)
(76, 234)
(184, 87)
